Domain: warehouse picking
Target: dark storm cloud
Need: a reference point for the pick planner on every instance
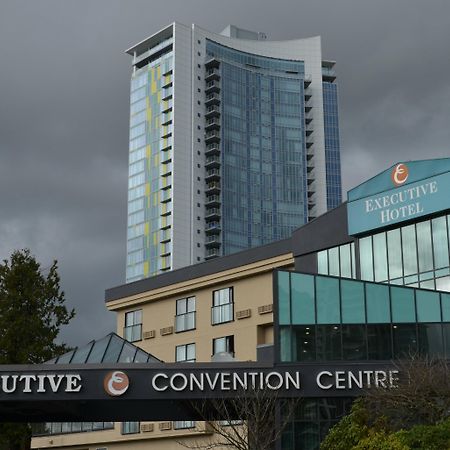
(64, 82)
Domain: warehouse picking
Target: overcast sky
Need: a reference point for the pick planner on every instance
(64, 89)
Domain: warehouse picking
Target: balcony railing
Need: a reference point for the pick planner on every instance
(212, 99)
(184, 322)
(212, 200)
(213, 110)
(212, 149)
(212, 136)
(212, 86)
(222, 313)
(212, 74)
(133, 333)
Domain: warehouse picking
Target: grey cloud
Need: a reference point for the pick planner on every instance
(64, 82)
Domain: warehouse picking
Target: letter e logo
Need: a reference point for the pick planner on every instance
(116, 383)
(399, 174)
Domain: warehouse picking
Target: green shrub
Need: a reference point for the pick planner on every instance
(429, 437)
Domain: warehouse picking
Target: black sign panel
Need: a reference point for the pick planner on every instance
(168, 391)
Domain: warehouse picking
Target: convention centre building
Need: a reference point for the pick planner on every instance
(332, 306)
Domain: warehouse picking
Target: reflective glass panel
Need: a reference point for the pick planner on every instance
(140, 357)
(81, 354)
(302, 299)
(427, 284)
(285, 344)
(424, 246)
(409, 248)
(352, 249)
(345, 259)
(366, 258)
(403, 309)
(283, 298)
(127, 353)
(56, 427)
(354, 342)
(113, 350)
(307, 410)
(328, 342)
(306, 435)
(380, 257)
(446, 335)
(405, 340)
(190, 352)
(377, 303)
(352, 298)
(65, 359)
(327, 300)
(430, 339)
(440, 242)
(87, 426)
(379, 342)
(180, 353)
(304, 343)
(98, 350)
(76, 427)
(333, 261)
(428, 306)
(394, 254)
(443, 284)
(445, 301)
(322, 262)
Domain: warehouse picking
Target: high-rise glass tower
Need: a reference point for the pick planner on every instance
(234, 142)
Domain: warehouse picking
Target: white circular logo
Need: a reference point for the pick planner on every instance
(116, 383)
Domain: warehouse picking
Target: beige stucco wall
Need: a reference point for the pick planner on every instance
(252, 287)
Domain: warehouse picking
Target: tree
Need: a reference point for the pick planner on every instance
(262, 415)
(358, 431)
(415, 414)
(421, 395)
(32, 310)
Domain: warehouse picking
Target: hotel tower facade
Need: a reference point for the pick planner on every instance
(234, 143)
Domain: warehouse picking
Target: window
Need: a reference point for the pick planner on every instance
(50, 428)
(222, 309)
(130, 427)
(223, 344)
(183, 424)
(185, 353)
(132, 331)
(185, 314)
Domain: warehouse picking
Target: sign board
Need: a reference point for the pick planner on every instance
(403, 202)
(169, 391)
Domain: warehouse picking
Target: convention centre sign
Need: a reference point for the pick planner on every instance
(168, 391)
(396, 197)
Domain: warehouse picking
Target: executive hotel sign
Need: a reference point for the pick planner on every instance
(396, 198)
(164, 392)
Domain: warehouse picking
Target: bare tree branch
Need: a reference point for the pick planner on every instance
(421, 396)
(252, 420)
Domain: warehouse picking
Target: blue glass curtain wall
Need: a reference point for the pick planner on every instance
(263, 158)
(415, 255)
(323, 318)
(332, 145)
